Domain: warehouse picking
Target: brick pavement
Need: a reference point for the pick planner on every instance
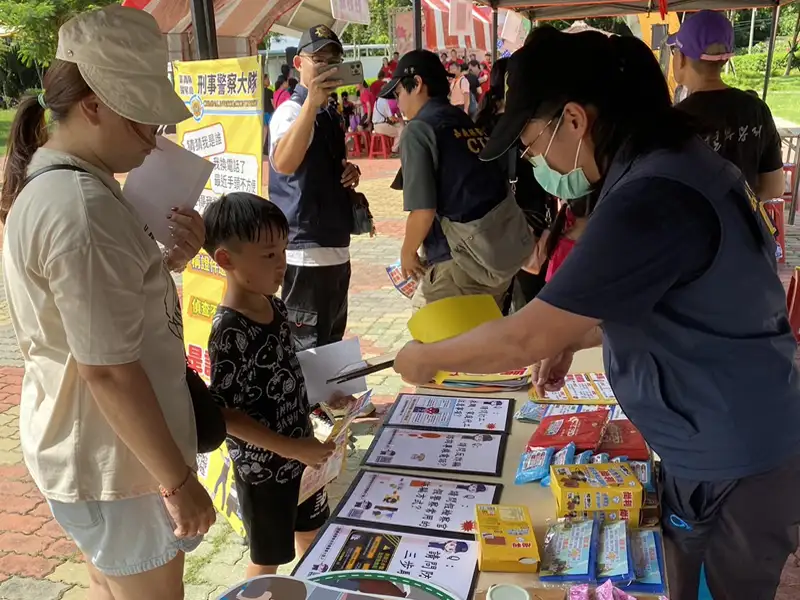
(37, 562)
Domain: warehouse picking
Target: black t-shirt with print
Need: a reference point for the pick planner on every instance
(739, 126)
(255, 370)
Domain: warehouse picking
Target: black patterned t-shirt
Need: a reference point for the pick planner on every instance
(254, 369)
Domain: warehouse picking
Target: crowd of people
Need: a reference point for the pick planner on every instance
(644, 219)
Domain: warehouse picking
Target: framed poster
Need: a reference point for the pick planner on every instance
(404, 501)
(446, 562)
(429, 411)
(419, 450)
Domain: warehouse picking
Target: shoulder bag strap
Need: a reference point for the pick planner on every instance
(48, 169)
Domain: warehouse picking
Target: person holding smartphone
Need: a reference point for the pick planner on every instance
(310, 181)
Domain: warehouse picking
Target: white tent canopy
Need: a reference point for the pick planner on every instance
(570, 9)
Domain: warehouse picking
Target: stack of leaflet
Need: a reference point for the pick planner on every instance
(580, 388)
(489, 384)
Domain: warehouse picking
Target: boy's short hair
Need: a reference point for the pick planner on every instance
(241, 217)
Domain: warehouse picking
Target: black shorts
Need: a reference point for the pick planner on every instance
(271, 517)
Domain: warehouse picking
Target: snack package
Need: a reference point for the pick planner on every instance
(565, 456)
(584, 458)
(607, 591)
(579, 592)
(534, 464)
(570, 552)
(531, 412)
(648, 562)
(619, 459)
(606, 487)
(614, 554)
(601, 458)
(506, 542)
(584, 429)
(621, 438)
(644, 471)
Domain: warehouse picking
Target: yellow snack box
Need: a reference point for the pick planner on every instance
(506, 540)
(606, 487)
(633, 516)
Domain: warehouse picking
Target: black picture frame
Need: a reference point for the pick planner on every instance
(498, 471)
(337, 513)
(332, 522)
(506, 426)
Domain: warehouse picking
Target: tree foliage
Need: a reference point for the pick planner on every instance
(377, 32)
(35, 24)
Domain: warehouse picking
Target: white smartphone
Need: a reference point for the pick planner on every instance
(349, 73)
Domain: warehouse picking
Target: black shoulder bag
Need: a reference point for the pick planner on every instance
(208, 417)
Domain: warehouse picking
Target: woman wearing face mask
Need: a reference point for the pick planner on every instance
(106, 419)
(675, 277)
(539, 206)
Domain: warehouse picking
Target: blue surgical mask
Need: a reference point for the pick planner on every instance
(567, 186)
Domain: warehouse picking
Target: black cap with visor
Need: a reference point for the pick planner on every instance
(533, 76)
(424, 63)
(316, 38)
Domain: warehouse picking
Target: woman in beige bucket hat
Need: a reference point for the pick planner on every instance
(106, 419)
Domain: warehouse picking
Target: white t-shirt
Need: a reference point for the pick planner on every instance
(86, 282)
(282, 119)
(382, 111)
(458, 87)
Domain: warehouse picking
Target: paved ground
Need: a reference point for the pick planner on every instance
(37, 562)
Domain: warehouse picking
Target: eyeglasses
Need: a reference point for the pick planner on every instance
(319, 61)
(526, 149)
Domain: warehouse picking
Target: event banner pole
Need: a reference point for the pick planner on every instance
(776, 12)
(417, 24)
(494, 34)
(226, 101)
(199, 27)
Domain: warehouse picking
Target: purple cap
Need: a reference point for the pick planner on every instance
(701, 31)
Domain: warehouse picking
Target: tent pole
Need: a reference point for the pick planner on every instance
(199, 28)
(211, 29)
(418, 24)
(771, 50)
(494, 34)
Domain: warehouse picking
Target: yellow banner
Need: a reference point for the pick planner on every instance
(226, 101)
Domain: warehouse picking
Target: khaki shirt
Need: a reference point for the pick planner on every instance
(86, 282)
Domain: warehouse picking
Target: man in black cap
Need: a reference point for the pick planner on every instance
(309, 180)
(455, 201)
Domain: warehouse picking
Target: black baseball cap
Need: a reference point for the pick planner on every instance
(424, 63)
(542, 69)
(316, 38)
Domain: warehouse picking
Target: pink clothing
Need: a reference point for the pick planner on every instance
(367, 101)
(394, 107)
(280, 97)
(563, 247)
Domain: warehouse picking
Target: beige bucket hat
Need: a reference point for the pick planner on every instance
(123, 58)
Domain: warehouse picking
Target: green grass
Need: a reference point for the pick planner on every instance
(783, 96)
(5, 128)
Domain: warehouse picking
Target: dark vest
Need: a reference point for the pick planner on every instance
(709, 375)
(317, 206)
(466, 187)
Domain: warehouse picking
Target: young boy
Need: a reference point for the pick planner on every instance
(257, 379)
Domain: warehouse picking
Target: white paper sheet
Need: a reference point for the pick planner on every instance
(323, 363)
(170, 177)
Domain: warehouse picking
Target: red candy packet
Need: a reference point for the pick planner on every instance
(584, 429)
(621, 438)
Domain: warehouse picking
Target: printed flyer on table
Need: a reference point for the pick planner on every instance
(478, 453)
(452, 412)
(451, 564)
(415, 502)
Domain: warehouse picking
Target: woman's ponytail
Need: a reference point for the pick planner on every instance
(28, 134)
(64, 87)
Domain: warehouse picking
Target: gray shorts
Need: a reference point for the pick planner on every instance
(123, 537)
